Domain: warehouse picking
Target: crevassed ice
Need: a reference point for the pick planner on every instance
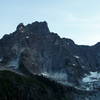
(92, 77)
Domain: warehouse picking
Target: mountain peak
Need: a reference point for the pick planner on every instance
(38, 27)
(35, 27)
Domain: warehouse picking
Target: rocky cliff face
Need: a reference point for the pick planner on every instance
(33, 49)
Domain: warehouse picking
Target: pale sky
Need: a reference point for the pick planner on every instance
(75, 19)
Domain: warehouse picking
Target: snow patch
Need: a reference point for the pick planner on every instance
(74, 64)
(60, 77)
(27, 37)
(88, 88)
(22, 31)
(92, 77)
(45, 74)
(76, 56)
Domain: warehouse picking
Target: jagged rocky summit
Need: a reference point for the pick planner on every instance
(33, 50)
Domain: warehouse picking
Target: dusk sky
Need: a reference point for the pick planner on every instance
(75, 19)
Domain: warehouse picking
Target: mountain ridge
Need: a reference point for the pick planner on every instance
(42, 51)
(33, 50)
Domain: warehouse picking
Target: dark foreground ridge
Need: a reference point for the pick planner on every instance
(33, 50)
(18, 87)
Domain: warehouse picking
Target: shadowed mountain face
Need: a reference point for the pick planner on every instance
(33, 49)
